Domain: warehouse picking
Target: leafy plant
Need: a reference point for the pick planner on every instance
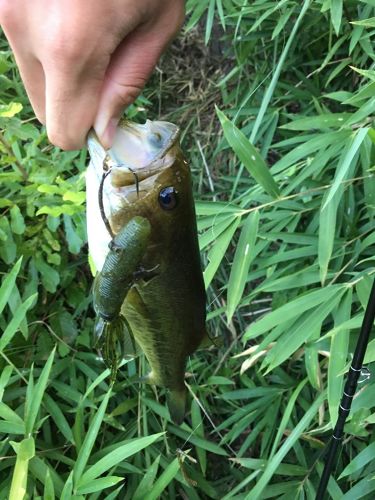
(276, 106)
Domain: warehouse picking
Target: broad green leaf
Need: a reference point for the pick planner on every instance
(10, 110)
(116, 456)
(248, 155)
(242, 259)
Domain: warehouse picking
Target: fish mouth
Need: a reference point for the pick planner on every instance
(139, 152)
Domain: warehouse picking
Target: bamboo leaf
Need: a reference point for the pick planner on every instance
(241, 262)
(343, 166)
(301, 332)
(248, 155)
(359, 461)
(337, 362)
(289, 442)
(327, 231)
(336, 14)
(116, 456)
(291, 310)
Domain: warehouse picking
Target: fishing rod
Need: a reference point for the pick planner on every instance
(348, 393)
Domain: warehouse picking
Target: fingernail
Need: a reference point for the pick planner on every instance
(106, 131)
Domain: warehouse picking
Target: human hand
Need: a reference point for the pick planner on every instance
(84, 61)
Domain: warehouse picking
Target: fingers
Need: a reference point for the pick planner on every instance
(32, 75)
(70, 107)
(130, 68)
(29, 66)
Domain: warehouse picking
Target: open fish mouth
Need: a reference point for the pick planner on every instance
(139, 151)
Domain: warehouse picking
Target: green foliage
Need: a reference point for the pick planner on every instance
(277, 122)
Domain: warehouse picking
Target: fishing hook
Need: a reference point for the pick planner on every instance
(352, 380)
(106, 171)
(101, 205)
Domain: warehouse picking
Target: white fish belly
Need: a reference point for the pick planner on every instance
(98, 236)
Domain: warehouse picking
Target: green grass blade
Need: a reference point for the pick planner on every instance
(49, 489)
(25, 450)
(15, 322)
(88, 443)
(8, 284)
(163, 481)
(275, 78)
(99, 485)
(36, 395)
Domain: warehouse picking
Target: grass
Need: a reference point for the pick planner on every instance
(276, 105)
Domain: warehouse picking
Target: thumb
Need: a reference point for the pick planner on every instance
(129, 69)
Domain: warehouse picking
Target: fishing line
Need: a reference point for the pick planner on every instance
(208, 418)
(352, 380)
(101, 205)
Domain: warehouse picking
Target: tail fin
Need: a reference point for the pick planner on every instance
(176, 401)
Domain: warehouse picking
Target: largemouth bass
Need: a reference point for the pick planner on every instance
(149, 291)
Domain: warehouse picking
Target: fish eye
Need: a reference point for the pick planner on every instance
(168, 198)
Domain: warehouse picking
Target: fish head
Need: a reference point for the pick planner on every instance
(147, 176)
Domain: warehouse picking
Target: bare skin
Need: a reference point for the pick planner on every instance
(84, 61)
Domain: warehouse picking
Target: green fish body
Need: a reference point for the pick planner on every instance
(156, 283)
